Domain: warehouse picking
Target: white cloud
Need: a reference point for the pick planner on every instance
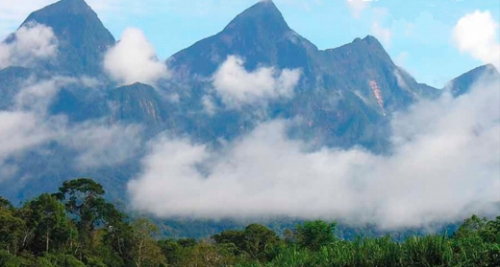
(239, 87)
(477, 34)
(29, 44)
(208, 104)
(402, 58)
(400, 80)
(36, 96)
(382, 33)
(133, 59)
(100, 144)
(20, 130)
(358, 6)
(440, 169)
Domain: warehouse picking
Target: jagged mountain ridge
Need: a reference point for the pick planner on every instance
(261, 36)
(341, 100)
(344, 93)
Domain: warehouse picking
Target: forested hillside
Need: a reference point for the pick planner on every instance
(77, 227)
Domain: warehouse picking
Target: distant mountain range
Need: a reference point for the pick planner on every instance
(345, 96)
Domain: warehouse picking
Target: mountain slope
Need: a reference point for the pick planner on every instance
(343, 96)
(463, 83)
(11, 79)
(260, 35)
(82, 37)
(137, 103)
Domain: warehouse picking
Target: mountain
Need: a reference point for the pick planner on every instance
(138, 103)
(10, 80)
(82, 37)
(79, 104)
(464, 82)
(345, 96)
(260, 35)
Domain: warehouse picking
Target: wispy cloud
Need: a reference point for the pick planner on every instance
(382, 33)
(357, 6)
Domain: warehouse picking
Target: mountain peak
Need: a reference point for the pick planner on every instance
(82, 37)
(491, 68)
(463, 83)
(262, 14)
(67, 6)
(368, 40)
(263, 6)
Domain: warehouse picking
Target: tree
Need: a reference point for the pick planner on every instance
(171, 250)
(84, 201)
(256, 240)
(492, 234)
(48, 221)
(7, 259)
(5, 203)
(314, 235)
(235, 237)
(11, 228)
(146, 252)
(207, 255)
(259, 241)
(471, 226)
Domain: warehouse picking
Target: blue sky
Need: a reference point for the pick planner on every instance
(416, 33)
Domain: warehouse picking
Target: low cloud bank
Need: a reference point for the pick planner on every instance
(445, 164)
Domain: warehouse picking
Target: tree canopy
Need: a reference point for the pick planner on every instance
(78, 227)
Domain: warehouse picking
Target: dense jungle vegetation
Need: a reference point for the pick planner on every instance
(77, 227)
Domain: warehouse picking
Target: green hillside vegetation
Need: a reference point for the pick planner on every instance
(77, 227)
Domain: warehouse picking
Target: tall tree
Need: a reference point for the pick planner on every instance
(48, 221)
(5, 203)
(84, 201)
(11, 228)
(259, 241)
(146, 252)
(313, 235)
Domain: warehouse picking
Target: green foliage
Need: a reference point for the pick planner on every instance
(64, 260)
(256, 241)
(146, 251)
(76, 227)
(172, 251)
(5, 203)
(9, 260)
(48, 222)
(314, 235)
(259, 242)
(11, 230)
